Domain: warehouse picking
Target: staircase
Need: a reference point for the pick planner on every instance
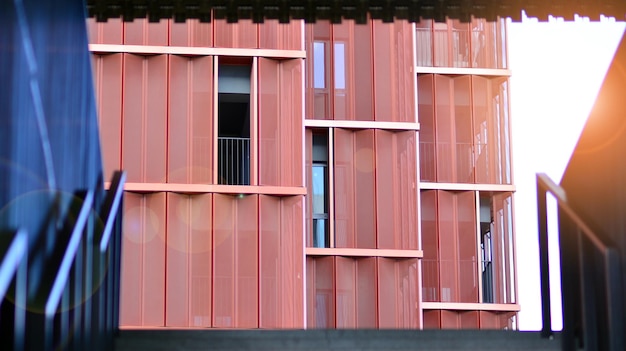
(319, 340)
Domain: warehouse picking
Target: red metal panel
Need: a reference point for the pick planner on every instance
(269, 122)
(393, 62)
(432, 319)
(246, 262)
(282, 36)
(109, 32)
(310, 293)
(224, 261)
(243, 34)
(450, 320)
(462, 139)
(430, 246)
(272, 298)
(444, 128)
(387, 298)
(142, 32)
(345, 281)
(407, 161)
(366, 293)
(319, 70)
(426, 115)
(144, 116)
(324, 293)
(291, 122)
(387, 186)
(308, 136)
(188, 274)
(469, 320)
(446, 222)
(467, 246)
(489, 320)
(108, 86)
(345, 213)
(292, 243)
(190, 127)
(365, 201)
(143, 262)
(191, 33)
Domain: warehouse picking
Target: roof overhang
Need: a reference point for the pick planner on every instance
(358, 10)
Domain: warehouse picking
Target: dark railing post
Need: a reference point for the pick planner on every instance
(546, 330)
(614, 299)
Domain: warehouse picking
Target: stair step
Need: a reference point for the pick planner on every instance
(319, 340)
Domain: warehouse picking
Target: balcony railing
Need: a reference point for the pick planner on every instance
(233, 160)
(593, 266)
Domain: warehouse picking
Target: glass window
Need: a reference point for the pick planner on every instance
(319, 186)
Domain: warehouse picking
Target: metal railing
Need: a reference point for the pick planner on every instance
(594, 269)
(233, 160)
(75, 305)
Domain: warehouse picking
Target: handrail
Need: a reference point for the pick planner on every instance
(16, 251)
(559, 193)
(600, 301)
(68, 256)
(110, 207)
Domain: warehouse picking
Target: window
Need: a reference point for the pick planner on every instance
(234, 125)
(319, 186)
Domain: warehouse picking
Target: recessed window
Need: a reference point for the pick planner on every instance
(319, 186)
(234, 124)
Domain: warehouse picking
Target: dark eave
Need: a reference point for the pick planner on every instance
(387, 10)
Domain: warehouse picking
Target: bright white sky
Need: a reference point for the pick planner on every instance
(558, 68)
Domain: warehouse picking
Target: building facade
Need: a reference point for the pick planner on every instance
(310, 175)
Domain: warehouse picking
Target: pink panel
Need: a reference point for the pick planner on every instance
(274, 35)
(272, 264)
(324, 293)
(441, 45)
(469, 319)
(488, 320)
(408, 294)
(467, 241)
(142, 32)
(395, 190)
(345, 213)
(387, 296)
(280, 122)
(291, 122)
(109, 32)
(143, 261)
(190, 126)
(366, 293)
(346, 294)
(460, 51)
(191, 33)
(426, 113)
(247, 263)
(444, 128)
(308, 136)
(318, 72)
(224, 285)
(144, 114)
(310, 293)
(364, 163)
(393, 63)
(462, 151)
(292, 243)
(269, 122)
(482, 130)
(447, 247)
(108, 86)
(177, 267)
(430, 246)
(243, 34)
(188, 288)
(450, 320)
(432, 319)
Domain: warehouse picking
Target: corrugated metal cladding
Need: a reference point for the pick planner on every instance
(359, 10)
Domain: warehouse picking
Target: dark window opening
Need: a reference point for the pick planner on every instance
(321, 235)
(233, 145)
(486, 248)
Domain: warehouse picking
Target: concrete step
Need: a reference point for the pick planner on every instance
(320, 340)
